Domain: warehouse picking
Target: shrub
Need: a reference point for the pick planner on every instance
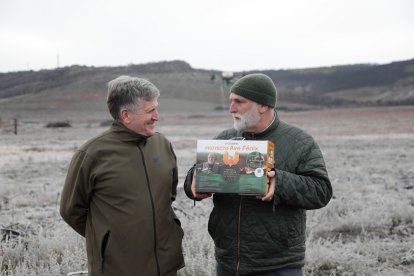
(58, 124)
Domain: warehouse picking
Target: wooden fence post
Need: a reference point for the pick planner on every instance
(15, 126)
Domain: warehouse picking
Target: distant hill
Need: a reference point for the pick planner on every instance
(82, 88)
(350, 85)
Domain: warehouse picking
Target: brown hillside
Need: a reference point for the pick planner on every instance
(81, 90)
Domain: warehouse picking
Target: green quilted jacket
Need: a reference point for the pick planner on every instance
(252, 236)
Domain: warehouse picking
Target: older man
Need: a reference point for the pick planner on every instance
(120, 186)
(266, 235)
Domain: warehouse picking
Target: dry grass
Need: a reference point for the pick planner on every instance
(367, 229)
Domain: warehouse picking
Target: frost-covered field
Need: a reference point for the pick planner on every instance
(367, 228)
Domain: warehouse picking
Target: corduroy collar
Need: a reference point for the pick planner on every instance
(264, 133)
(127, 135)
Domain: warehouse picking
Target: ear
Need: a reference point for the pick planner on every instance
(124, 116)
(263, 108)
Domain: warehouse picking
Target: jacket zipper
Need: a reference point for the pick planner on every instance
(153, 211)
(238, 237)
(239, 134)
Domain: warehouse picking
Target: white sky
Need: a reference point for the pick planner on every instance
(210, 34)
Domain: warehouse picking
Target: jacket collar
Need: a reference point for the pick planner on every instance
(127, 135)
(259, 135)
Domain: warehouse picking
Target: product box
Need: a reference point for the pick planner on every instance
(233, 166)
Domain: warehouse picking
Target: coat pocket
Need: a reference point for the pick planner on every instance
(104, 245)
(179, 228)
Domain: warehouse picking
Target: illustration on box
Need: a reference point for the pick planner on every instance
(233, 166)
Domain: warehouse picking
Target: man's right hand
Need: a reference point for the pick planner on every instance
(193, 189)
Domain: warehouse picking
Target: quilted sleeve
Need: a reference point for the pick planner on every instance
(309, 186)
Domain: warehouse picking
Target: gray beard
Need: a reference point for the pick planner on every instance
(247, 120)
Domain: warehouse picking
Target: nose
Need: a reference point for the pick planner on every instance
(232, 108)
(155, 115)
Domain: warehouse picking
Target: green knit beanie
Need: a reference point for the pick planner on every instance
(256, 87)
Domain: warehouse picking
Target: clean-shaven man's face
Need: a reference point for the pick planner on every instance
(143, 121)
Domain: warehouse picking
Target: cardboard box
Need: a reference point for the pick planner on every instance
(233, 166)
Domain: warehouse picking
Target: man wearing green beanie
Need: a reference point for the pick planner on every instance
(256, 87)
(266, 235)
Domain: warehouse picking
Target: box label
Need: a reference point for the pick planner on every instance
(233, 166)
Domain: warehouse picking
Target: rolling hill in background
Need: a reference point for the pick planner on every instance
(83, 89)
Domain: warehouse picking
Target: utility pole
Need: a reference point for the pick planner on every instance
(226, 77)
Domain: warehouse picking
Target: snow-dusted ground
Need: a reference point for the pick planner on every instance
(366, 229)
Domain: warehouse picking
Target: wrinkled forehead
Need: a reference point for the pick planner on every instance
(234, 96)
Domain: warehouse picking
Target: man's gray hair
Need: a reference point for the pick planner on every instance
(126, 91)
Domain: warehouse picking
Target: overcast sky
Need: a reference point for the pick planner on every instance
(208, 34)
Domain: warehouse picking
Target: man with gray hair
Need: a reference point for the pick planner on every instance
(120, 187)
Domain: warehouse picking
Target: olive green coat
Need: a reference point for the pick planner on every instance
(118, 194)
(252, 236)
